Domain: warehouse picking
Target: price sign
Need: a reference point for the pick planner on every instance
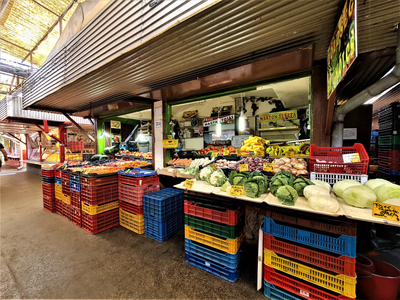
(355, 158)
(188, 183)
(214, 154)
(226, 152)
(214, 166)
(289, 154)
(351, 158)
(259, 153)
(237, 190)
(386, 211)
(169, 137)
(243, 168)
(238, 153)
(268, 167)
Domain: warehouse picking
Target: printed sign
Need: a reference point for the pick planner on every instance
(342, 50)
(207, 122)
(268, 167)
(386, 211)
(243, 168)
(158, 123)
(238, 153)
(349, 133)
(279, 116)
(214, 166)
(115, 124)
(214, 154)
(226, 152)
(237, 190)
(259, 153)
(289, 154)
(351, 158)
(188, 183)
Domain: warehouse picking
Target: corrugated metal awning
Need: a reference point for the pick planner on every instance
(222, 32)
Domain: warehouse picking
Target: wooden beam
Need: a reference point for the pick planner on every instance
(46, 8)
(329, 114)
(4, 40)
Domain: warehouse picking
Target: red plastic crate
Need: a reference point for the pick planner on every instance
(97, 223)
(299, 288)
(139, 181)
(49, 189)
(48, 173)
(393, 154)
(389, 163)
(339, 264)
(65, 175)
(228, 217)
(49, 203)
(76, 146)
(59, 207)
(330, 160)
(58, 173)
(93, 195)
(76, 216)
(134, 194)
(76, 199)
(99, 181)
(66, 211)
(66, 189)
(137, 210)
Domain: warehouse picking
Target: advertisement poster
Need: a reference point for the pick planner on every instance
(279, 116)
(223, 120)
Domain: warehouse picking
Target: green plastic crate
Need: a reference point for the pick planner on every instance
(390, 140)
(214, 228)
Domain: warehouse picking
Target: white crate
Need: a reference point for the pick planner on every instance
(333, 178)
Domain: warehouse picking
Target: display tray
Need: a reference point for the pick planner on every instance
(166, 172)
(301, 205)
(363, 214)
(198, 186)
(244, 198)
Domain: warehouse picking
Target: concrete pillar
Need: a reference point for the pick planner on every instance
(158, 136)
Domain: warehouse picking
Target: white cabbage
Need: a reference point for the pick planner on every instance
(340, 186)
(359, 196)
(324, 203)
(385, 192)
(313, 190)
(374, 183)
(323, 184)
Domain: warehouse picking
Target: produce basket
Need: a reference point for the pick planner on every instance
(332, 178)
(330, 160)
(170, 144)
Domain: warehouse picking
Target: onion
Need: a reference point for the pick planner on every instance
(280, 162)
(276, 170)
(285, 159)
(299, 166)
(285, 168)
(277, 165)
(294, 161)
(293, 171)
(302, 172)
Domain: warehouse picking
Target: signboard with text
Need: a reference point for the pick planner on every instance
(342, 50)
(279, 116)
(222, 120)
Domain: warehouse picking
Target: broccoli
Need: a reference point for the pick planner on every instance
(287, 195)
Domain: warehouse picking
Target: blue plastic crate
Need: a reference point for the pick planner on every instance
(213, 268)
(48, 179)
(137, 172)
(162, 204)
(75, 186)
(161, 231)
(75, 178)
(389, 172)
(343, 245)
(274, 293)
(222, 258)
(58, 180)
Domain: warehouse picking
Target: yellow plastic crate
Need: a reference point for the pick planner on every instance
(226, 245)
(131, 221)
(66, 199)
(168, 144)
(58, 192)
(341, 284)
(98, 209)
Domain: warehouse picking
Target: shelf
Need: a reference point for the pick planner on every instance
(279, 128)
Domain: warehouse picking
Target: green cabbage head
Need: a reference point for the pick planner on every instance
(385, 192)
(340, 186)
(359, 196)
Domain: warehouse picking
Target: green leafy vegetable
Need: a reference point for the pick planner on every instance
(340, 186)
(277, 183)
(251, 189)
(299, 184)
(217, 178)
(359, 196)
(387, 191)
(205, 173)
(374, 183)
(225, 186)
(287, 195)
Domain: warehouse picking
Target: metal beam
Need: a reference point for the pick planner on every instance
(16, 138)
(79, 127)
(46, 8)
(13, 70)
(4, 40)
(48, 133)
(3, 93)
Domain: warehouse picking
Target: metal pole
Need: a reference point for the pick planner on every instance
(80, 127)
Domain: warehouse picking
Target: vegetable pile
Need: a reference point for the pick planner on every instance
(293, 165)
(255, 163)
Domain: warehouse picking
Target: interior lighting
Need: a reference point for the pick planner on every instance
(218, 129)
(242, 119)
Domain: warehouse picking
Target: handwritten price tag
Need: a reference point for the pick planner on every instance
(243, 168)
(289, 154)
(355, 158)
(226, 152)
(259, 153)
(237, 190)
(214, 154)
(214, 166)
(188, 183)
(238, 153)
(386, 211)
(351, 158)
(268, 167)
(169, 137)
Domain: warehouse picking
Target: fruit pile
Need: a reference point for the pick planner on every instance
(254, 144)
(110, 167)
(219, 149)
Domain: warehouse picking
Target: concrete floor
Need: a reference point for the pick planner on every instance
(45, 256)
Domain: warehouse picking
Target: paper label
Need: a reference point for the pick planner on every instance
(243, 168)
(188, 183)
(289, 154)
(259, 153)
(386, 211)
(351, 158)
(214, 154)
(226, 152)
(237, 190)
(207, 264)
(238, 153)
(169, 137)
(268, 167)
(304, 293)
(214, 166)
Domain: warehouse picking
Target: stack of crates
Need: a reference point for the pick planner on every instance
(214, 236)
(131, 192)
(58, 192)
(308, 256)
(99, 201)
(389, 143)
(75, 194)
(163, 213)
(66, 199)
(48, 187)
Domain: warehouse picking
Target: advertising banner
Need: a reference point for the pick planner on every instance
(279, 116)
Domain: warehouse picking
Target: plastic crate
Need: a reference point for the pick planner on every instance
(297, 287)
(391, 178)
(161, 231)
(392, 140)
(134, 194)
(66, 199)
(59, 207)
(47, 173)
(49, 180)
(131, 221)
(58, 173)
(162, 204)
(341, 284)
(65, 175)
(58, 192)
(274, 293)
(216, 256)
(389, 172)
(98, 209)
(216, 229)
(66, 211)
(75, 186)
(99, 181)
(225, 245)
(213, 213)
(94, 195)
(49, 204)
(75, 177)
(330, 160)
(137, 172)
(98, 223)
(76, 216)
(58, 181)
(134, 209)
(393, 154)
(139, 181)
(76, 199)
(322, 223)
(66, 189)
(339, 264)
(389, 163)
(332, 178)
(342, 245)
(223, 272)
(48, 189)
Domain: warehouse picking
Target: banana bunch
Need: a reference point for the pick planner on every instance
(304, 148)
(254, 143)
